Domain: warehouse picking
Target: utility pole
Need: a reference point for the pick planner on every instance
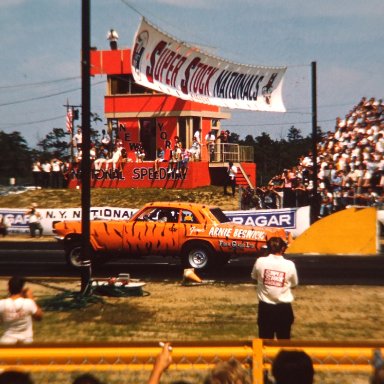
(86, 144)
(315, 200)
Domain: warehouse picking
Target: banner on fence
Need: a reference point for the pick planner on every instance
(18, 219)
(295, 220)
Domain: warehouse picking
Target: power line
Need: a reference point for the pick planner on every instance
(274, 124)
(167, 22)
(11, 125)
(45, 96)
(38, 83)
(39, 97)
(132, 7)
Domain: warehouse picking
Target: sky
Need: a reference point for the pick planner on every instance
(41, 40)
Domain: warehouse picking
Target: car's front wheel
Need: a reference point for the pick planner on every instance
(198, 256)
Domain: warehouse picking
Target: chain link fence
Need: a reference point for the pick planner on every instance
(131, 363)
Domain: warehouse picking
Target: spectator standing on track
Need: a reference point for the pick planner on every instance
(231, 178)
(4, 225)
(17, 312)
(34, 221)
(275, 277)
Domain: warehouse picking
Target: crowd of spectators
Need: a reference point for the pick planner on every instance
(110, 155)
(50, 173)
(350, 167)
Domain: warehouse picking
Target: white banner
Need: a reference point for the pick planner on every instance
(167, 65)
(18, 219)
(293, 220)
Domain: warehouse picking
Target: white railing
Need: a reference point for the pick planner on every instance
(236, 153)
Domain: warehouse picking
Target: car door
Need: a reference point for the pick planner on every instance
(154, 232)
(189, 226)
(107, 236)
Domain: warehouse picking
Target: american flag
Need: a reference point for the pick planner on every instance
(69, 120)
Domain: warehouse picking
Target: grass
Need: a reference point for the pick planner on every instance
(215, 311)
(211, 312)
(114, 197)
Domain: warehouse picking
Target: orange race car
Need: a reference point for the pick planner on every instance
(201, 235)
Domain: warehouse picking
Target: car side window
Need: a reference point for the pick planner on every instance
(168, 215)
(188, 217)
(147, 215)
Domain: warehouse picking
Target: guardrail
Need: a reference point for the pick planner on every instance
(257, 354)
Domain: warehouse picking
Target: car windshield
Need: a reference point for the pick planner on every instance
(220, 215)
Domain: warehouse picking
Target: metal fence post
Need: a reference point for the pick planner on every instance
(257, 361)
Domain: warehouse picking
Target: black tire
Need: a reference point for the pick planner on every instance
(73, 255)
(199, 256)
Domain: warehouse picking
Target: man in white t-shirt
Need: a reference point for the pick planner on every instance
(231, 178)
(275, 277)
(17, 312)
(210, 139)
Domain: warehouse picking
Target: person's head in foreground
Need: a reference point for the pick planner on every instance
(293, 367)
(15, 377)
(228, 372)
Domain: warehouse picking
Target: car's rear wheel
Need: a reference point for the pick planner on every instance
(73, 255)
(198, 256)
